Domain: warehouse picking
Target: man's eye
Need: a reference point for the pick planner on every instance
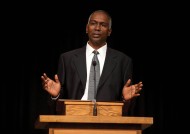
(93, 23)
(104, 25)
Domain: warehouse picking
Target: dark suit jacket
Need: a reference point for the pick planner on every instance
(72, 74)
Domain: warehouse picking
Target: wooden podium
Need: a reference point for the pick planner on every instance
(80, 120)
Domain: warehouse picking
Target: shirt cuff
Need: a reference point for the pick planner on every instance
(55, 98)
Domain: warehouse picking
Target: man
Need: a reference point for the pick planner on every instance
(72, 81)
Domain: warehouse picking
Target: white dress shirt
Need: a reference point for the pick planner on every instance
(89, 56)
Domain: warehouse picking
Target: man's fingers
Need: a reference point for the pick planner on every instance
(135, 95)
(44, 77)
(138, 87)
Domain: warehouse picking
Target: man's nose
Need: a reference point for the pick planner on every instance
(98, 26)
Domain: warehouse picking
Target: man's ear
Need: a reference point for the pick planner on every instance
(87, 28)
(109, 32)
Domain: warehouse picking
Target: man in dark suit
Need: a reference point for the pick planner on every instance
(72, 80)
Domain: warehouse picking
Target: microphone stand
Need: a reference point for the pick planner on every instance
(94, 101)
(95, 108)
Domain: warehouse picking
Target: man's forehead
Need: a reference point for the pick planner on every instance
(99, 16)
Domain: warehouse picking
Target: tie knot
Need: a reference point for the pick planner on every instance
(95, 52)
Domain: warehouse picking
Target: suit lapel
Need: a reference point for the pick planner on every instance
(109, 65)
(80, 64)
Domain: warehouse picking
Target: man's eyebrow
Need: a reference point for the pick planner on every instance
(98, 21)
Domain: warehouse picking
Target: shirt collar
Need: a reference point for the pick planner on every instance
(102, 50)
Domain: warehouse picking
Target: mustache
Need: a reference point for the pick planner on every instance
(97, 32)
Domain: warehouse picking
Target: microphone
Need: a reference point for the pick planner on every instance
(94, 63)
(95, 107)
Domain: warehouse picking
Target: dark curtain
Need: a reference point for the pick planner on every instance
(39, 33)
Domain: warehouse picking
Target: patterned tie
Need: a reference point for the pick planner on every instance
(94, 77)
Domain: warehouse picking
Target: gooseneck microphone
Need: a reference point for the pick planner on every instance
(95, 107)
(94, 63)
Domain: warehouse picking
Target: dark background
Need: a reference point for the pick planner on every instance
(35, 34)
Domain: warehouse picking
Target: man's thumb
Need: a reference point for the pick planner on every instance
(128, 83)
(56, 79)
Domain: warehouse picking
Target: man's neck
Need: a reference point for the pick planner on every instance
(95, 45)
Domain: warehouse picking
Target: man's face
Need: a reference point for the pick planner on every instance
(98, 28)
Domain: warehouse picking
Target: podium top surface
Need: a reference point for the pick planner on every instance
(87, 102)
(95, 119)
(45, 121)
